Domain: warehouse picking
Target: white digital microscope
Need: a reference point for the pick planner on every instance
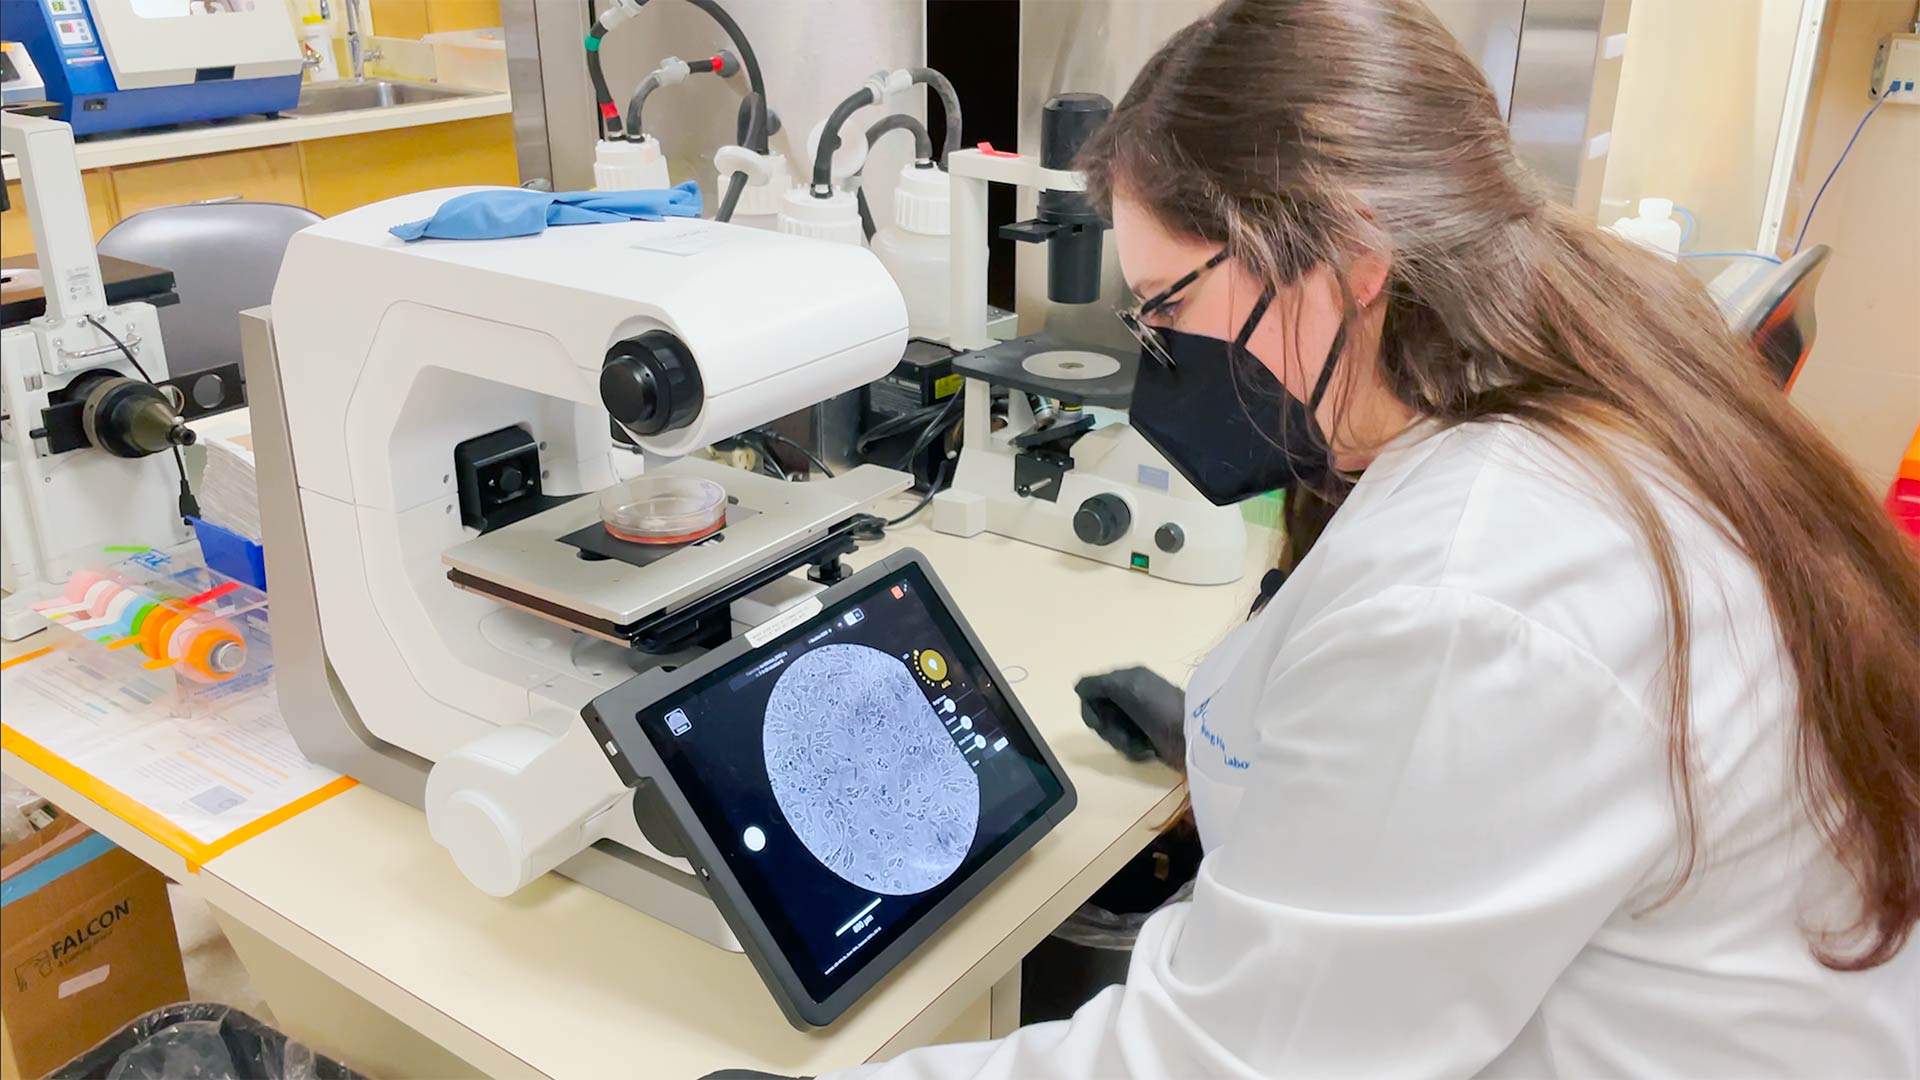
(1051, 473)
(89, 426)
(430, 423)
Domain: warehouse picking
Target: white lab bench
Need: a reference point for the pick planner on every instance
(427, 976)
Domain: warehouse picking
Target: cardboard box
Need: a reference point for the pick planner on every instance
(87, 944)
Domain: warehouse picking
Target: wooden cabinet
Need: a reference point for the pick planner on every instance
(358, 169)
(269, 174)
(16, 235)
(414, 18)
(327, 175)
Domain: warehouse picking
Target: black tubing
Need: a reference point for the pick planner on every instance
(866, 213)
(640, 93)
(922, 142)
(737, 183)
(612, 127)
(830, 139)
(949, 103)
(608, 126)
(748, 59)
(745, 115)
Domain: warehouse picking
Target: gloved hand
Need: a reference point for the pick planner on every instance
(1138, 713)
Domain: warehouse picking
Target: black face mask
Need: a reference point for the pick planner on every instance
(1221, 418)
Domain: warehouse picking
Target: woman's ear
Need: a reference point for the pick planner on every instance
(1367, 276)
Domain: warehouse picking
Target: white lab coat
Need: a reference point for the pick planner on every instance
(1432, 782)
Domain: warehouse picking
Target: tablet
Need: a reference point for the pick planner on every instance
(845, 778)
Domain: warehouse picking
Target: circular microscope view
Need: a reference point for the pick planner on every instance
(866, 773)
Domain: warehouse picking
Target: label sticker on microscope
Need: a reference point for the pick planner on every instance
(690, 242)
(1157, 479)
(783, 622)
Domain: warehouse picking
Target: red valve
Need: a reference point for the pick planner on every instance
(987, 149)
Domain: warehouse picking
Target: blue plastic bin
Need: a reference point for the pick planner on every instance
(230, 553)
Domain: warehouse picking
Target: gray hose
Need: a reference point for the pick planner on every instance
(647, 86)
(745, 115)
(922, 142)
(756, 132)
(748, 60)
(736, 184)
(830, 139)
(949, 103)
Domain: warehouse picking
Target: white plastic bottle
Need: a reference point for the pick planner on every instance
(318, 38)
(759, 205)
(630, 165)
(835, 218)
(1654, 227)
(917, 249)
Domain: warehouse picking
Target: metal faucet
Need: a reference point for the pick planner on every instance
(357, 52)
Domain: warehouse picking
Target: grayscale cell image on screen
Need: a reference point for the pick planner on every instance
(865, 772)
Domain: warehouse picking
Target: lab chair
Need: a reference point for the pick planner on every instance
(224, 257)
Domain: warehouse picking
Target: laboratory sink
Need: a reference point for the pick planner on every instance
(321, 99)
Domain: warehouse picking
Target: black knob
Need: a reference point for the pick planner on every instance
(1102, 519)
(1169, 538)
(509, 480)
(650, 383)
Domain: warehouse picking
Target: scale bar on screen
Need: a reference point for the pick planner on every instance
(857, 916)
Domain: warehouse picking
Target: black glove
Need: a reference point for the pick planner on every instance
(1139, 713)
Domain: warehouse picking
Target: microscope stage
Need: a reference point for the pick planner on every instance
(539, 564)
(1073, 372)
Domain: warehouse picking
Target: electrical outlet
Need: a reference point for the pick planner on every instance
(1896, 69)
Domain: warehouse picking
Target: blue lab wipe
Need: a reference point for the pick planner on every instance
(491, 215)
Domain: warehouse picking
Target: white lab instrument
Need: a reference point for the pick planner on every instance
(113, 65)
(443, 606)
(20, 81)
(1107, 495)
(85, 435)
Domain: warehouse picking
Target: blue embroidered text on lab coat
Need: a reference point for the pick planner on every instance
(1214, 740)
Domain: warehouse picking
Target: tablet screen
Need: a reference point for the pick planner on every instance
(853, 772)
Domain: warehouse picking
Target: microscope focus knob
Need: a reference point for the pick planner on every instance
(650, 383)
(1102, 519)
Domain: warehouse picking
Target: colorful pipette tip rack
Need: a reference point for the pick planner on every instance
(170, 612)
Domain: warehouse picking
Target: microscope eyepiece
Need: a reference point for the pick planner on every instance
(650, 384)
(1067, 121)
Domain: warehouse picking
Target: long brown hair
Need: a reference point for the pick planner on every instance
(1300, 132)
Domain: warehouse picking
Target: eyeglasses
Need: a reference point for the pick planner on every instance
(1135, 318)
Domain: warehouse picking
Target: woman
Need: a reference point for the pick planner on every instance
(1586, 740)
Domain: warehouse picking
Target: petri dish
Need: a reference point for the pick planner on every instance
(663, 509)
